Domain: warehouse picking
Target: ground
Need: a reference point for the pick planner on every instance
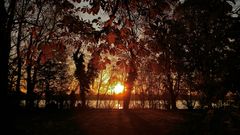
(132, 122)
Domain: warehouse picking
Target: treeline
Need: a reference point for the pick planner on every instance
(159, 49)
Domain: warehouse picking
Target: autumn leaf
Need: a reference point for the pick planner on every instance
(129, 69)
(118, 63)
(49, 50)
(121, 64)
(112, 51)
(121, 47)
(95, 9)
(84, 10)
(101, 66)
(95, 59)
(153, 13)
(109, 22)
(124, 32)
(34, 33)
(111, 37)
(147, 31)
(67, 5)
(143, 52)
(31, 8)
(62, 48)
(155, 67)
(34, 52)
(128, 23)
(131, 45)
(46, 49)
(95, 21)
(43, 59)
(90, 49)
(107, 61)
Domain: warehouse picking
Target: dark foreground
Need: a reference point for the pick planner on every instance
(133, 122)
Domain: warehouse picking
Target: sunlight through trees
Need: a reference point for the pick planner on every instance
(143, 54)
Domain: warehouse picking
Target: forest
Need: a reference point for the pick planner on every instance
(164, 55)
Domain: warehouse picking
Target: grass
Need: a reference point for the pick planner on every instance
(119, 122)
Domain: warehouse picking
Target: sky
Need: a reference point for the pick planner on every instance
(105, 17)
(237, 5)
(85, 16)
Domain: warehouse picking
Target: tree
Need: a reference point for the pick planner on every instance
(52, 79)
(189, 44)
(37, 36)
(6, 23)
(122, 30)
(80, 74)
(85, 78)
(208, 38)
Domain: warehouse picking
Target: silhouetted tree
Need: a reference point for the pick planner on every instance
(81, 75)
(132, 75)
(207, 34)
(6, 25)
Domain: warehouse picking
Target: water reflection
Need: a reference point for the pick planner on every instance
(135, 104)
(118, 104)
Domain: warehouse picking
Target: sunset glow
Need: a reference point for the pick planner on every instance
(118, 88)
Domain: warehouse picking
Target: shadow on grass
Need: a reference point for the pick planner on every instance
(119, 122)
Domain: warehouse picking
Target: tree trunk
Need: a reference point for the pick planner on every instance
(127, 97)
(132, 75)
(173, 100)
(6, 22)
(47, 93)
(98, 90)
(30, 98)
(19, 65)
(4, 54)
(172, 96)
(83, 96)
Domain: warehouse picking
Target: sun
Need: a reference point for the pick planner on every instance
(118, 88)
